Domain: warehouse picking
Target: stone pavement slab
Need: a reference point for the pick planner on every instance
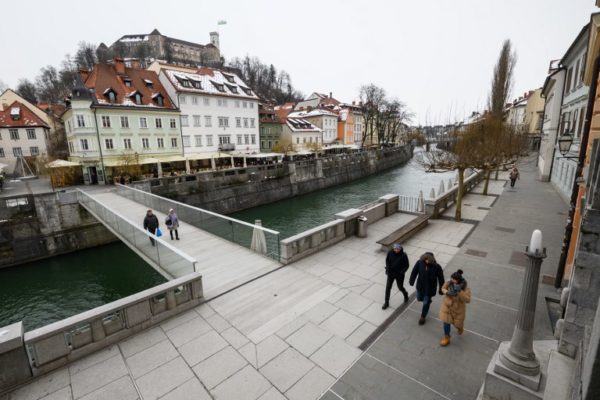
(190, 390)
(164, 379)
(311, 386)
(308, 339)
(335, 356)
(286, 369)
(98, 375)
(122, 389)
(219, 367)
(246, 384)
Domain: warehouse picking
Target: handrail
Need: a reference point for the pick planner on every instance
(253, 226)
(137, 228)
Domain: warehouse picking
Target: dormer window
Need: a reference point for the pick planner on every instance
(233, 89)
(110, 95)
(148, 83)
(158, 99)
(137, 97)
(247, 91)
(15, 113)
(229, 78)
(219, 86)
(127, 82)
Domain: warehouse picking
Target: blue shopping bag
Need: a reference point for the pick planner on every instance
(158, 232)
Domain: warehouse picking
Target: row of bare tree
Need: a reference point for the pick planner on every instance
(488, 144)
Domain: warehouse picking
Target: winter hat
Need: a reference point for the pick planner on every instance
(397, 246)
(458, 275)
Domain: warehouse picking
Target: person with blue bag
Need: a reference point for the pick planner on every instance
(151, 225)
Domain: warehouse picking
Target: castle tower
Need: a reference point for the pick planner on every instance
(214, 39)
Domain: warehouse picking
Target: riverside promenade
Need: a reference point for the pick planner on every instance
(301, 330)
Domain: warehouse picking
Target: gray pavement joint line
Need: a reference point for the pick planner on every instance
(407, 376)
(494, 304)
(335, 393)
(242, 284)
(467, 236)
(137, 389)
(490, 262)
(466, 330)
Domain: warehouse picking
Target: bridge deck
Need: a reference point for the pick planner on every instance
(224, 265)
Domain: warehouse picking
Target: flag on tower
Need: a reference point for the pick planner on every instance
(222, 22)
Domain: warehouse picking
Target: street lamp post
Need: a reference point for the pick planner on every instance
(518, 360)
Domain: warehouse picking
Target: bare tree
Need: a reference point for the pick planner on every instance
(27, 90)
(86, 57)
(3, 86)
(502, 80)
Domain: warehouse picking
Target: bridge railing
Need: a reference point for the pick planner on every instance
(236, 231)
(168, 258)
(411, 204)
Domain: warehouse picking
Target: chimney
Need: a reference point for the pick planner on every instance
(120, 66)
(84, 73)
(330, 95)
(353, 102)
(135, 63)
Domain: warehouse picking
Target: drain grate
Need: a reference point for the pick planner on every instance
(477, 253)
(484, 208)
(503, 229)
(519, 259)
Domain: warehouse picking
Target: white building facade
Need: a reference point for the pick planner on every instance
(552, 92)
(219, 112)
(327, 121)
(301, 134)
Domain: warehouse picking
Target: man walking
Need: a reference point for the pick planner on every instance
(151, 224)
(428, 274)
(396, 265)
(513, 175)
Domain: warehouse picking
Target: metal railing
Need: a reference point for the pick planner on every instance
(168, 260)
(236, 231)
(411, 204)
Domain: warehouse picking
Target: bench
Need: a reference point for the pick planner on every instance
(404, 233)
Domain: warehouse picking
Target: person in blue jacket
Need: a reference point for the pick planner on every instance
(429, 277)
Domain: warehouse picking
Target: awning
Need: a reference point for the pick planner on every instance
(172, 158)
(121, 163)
(206, 156)
(59, 164)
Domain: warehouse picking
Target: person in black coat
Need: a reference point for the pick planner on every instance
(428, 275)
(396, 265)
(151, 224)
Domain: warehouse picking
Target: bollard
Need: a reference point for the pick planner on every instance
(442, 189)
(432, 193)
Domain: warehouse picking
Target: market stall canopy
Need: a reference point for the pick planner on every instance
(121, 163)
(58, 164)
(172, 158)
(207, 156)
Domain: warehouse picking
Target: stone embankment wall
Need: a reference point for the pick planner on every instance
(242, 188)
(44, 225)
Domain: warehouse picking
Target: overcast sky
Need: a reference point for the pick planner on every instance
(435, 55)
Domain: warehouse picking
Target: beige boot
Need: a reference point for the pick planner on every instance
(445, 341)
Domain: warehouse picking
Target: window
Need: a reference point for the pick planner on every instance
(224, 102)
(206, 101)
(71, 147)
(582, 73)
(111, 97)
(198, 139)
(223, 122)
(251, 122)
(84, 144)
(237, 104)
(581, 121)
(245, 104)
(160, 101)
(124, 122)
(568, 81)
(143, 122)
(80, 121)
(245, 122)
(138, 98)
(209, 140)
(194, 99)
(17, 152)
(105, 121)
(174, 142)
(34, 150)
(246, 139)
(172, 123)
(184, 120)
(310, 139)
(238, 122)
(108, 144)
(196, 120)
(69, 129)
(239, 139)
(576, 75)
(160, 142)
(30, 133)
(220, 102)
(127, 144)
(182, 99)
(186, 141)
(224, 139)
(14, 134)
(297, 140)
(253, 137)
(207, 121)
(2, 152)
(127, 82)
(251, 105)
(145, 143)
(303, 140)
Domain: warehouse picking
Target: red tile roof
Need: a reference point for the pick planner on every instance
(104, 77)
(26, 117)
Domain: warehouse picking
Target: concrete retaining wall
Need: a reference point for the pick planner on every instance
(44, 225)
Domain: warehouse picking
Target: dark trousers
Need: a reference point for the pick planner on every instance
(426, 303)
(153, 232)
(176, 233)
(390, 282)
(512, 182)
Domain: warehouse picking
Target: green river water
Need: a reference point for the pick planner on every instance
(46, 291)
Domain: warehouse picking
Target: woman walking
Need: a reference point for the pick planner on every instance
(454, 306)
(513, 175)
(172, 223)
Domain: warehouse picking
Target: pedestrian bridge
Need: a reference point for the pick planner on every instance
(227, 252)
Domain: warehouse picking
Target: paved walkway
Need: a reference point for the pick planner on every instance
(406, 361)
(218, 259)
(299, 331)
